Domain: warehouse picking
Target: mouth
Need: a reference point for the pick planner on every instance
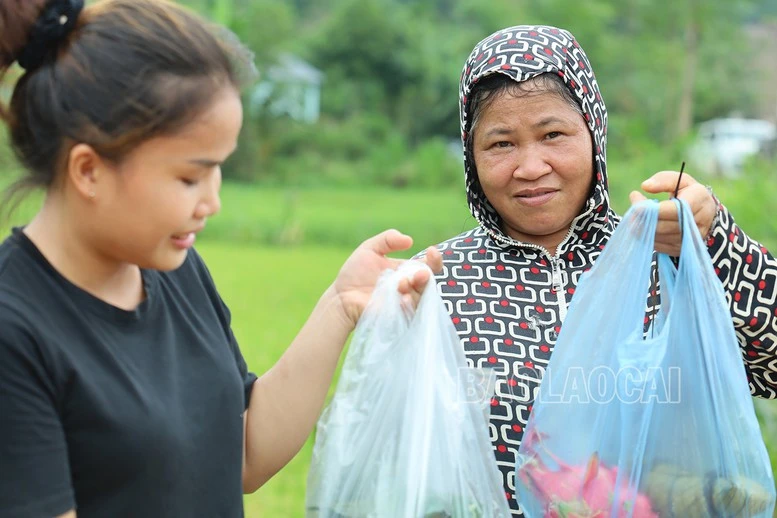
(532, 193)
(185, 240)
(535, 197)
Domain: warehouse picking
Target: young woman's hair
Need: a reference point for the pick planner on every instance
(111, 75)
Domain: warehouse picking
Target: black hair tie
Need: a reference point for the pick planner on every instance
(53, 25)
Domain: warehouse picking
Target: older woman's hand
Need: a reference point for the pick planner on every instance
(698, 197)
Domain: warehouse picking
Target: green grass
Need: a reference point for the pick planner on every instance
(270, 293)
(336, 216)
(343, 217)
(285, 282)
(272, 289)
(346, 216)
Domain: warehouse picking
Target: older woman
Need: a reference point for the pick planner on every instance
(534, 127)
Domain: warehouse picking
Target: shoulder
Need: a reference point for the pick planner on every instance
(14, 262)
(33, 318)
(25, 284)
(473, 238)
(193, 274)
(194, 279)
(18, 340)
(193, 265)
(456, 250)
(470, 239)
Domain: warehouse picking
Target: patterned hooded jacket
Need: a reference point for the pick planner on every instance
(508, 299)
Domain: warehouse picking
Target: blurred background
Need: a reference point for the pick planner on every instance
(352, 127)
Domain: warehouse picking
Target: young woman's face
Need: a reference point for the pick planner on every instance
(534, 160)
(159, 197)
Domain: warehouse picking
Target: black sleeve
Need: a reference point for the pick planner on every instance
(226, 320)
(34, 470)
(247, 376)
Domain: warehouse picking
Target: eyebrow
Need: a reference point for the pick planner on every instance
(209, 162)
(497, 131)
(547, 121)
(205, 162)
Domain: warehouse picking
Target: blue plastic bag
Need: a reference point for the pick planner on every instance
(628, 423)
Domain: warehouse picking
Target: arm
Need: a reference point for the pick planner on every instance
(286, 401)
(749, 276)
(746, 269)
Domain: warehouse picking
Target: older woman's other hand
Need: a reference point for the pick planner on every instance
(702, 204)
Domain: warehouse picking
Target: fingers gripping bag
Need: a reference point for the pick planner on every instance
(656, 423)
(406, 433)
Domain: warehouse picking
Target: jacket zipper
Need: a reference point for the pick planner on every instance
(556, 282)
(558, 287)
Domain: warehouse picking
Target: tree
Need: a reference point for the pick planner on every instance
(364, 42)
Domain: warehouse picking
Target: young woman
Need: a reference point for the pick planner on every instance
(122, 389)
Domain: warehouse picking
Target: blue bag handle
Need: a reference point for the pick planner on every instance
(651, 349)
(693, 256)
(644, 352)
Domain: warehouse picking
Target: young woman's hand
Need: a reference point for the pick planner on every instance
(357, 277)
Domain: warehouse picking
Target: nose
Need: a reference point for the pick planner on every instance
(531, 165)
(210, 203)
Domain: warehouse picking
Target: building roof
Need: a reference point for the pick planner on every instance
(291, 67)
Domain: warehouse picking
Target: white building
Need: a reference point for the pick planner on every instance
(723, 145)
(290, 87)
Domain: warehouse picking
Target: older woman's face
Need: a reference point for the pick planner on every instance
(534, 160)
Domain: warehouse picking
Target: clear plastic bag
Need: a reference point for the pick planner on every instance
(644, 426)
(406, 433)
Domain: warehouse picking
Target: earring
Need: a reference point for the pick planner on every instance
(92, 194)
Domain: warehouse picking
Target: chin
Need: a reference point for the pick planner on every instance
(542, 229)
(167, 262)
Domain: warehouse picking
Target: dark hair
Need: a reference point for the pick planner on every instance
(492, 86)
(130, 70)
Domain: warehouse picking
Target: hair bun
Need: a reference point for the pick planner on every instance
(53, 25)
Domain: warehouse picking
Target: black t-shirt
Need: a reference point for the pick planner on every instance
(117, 413)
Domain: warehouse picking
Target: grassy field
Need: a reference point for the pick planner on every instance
(273, 251)
(270, 291)
(346, 216)
(286, 281)
(284, 285)
(267, 311)
(339, 217)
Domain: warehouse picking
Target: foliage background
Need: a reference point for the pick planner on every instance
(298, 197)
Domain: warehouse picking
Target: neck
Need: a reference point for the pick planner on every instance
(68, 248)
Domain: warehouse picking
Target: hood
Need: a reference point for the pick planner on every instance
(523, 52)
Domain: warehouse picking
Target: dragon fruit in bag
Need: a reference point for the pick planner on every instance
(581, 491)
